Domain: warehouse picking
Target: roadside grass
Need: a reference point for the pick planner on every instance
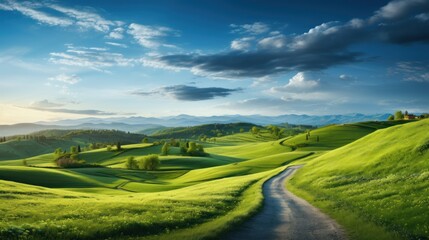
(381, 180)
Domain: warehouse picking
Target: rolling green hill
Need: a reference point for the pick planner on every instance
(334, 136)
(208, 130)
(47, 141)
(17, 149)
(360, 175)
(382, 178)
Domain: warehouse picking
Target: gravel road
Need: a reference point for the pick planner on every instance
(286, 216)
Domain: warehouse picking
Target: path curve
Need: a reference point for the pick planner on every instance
(286, 216)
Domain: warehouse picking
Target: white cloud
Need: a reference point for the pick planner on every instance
(399, 8)
(261, 81)
(346, 77)
(117, 33)
(149, 36)
(241, 44)
(253, 29)
(297, 83)
(94, 58)
(29, 10)
(64, 78)
(412, 71)
(45, 104)
(86, 19)
(117, 44)
(56, 15)
(274, 42)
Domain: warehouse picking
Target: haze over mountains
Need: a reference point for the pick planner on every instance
(144, 124)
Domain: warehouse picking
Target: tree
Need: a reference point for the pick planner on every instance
(109, 148)
(399, 115)
(255, 130)
(78, 148)
(73, 149)
(131, 163)
(57, 153)
(164, 149)
(192, 147)
(391, 118)
(24, 163)
(149, 162)
(145, 140)
(242, 130)
(118, 146)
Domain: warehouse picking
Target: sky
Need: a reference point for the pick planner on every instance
(75, 59)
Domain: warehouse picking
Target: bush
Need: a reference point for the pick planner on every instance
(164, 149)
(131, 163)
(69, 161)
(149, 162)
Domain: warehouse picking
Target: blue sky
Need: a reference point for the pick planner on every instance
(73, 59)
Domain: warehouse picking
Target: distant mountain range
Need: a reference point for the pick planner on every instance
(141, 124)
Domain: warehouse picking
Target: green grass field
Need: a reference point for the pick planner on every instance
(359, 171)
(382, 179)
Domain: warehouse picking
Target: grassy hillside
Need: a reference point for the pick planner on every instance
(208, 130)
(382, 179)
(47, 141)
(334, 136)
(17, 149)
(190, 197)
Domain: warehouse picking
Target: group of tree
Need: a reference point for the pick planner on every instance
(308, 135)
(63, 159)
(275, 131)
(23, 137)
(192, 149)
(399, 115)
(150, 162)
(255, 130)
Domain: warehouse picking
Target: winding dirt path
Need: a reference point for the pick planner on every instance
(286, 216)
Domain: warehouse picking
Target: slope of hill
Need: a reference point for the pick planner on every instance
(334, 136)
(17, 149)
(208, 130)
(382, 178)
(47, 141)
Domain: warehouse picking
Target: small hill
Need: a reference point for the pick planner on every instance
(207, 130)
(17, 149)
(382, 178)
(47, 141)
(334, 136)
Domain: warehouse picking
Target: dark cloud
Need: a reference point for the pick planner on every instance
(322, 47)
(190, 93)
(406, 31)
(258, 63)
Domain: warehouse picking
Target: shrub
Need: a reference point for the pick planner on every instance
(164, 149)
(131, 163)
(149, 162)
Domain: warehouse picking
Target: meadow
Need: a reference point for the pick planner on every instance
(374, 173)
